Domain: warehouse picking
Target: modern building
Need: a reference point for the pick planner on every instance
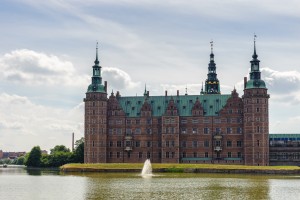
(207, 128)
(285, 149)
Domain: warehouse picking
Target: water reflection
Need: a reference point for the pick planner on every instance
(176, 186)
(36, 184)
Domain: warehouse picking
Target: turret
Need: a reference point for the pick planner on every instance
(95, 130)
(256, 125)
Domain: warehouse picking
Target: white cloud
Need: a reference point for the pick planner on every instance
(118, 79)
(36, 68)
(21, 120)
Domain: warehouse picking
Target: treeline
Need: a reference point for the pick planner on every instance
(58, 156)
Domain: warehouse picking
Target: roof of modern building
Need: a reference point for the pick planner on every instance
(284, 136)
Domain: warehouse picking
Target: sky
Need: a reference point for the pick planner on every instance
(47, 52)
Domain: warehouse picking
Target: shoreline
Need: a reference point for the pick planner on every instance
(181, 168)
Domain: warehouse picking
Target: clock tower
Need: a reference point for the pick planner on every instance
(256, 116)
(95, 117)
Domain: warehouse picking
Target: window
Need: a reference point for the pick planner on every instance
(118, 154)
(128, 121)
(119, 143)
(111, 143)
(229, 143)
(257, 109)
(195, 130)
(206, 154)
(183, 130)
(239, 130)
(229, 130)
(119, 131)
(137, 143)
(195, 144)
(183, 154)
(148, 143)
(138, 121)
(195, 154)
(137, 131)
(239, 143)
(118, 121)
(239, 154)
(149, 121)
(173, 154)
(218, 143)
(183, 143)
(110, 154)
(167, 144)
(148, 154)
(167, 155)
(258, 143)
(140, 154)
(206, 130)
(206, 143)
(128, 131)
(195, 121)
(258, 129)
(229, 154)
(218, 130)
(183, 121)
(173, 143)
(149, 131)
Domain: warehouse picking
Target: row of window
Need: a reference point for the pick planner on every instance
(170, 130)
(184, 144)
(167, 155)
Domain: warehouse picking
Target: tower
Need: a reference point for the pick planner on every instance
(256, 116)
(212, 85)
(95, 117)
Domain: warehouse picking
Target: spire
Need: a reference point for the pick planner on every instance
(186, 90)
(145, 92)
(212, 85)
(202, 92)
(97, 61)
(254, 53)
(212, 50)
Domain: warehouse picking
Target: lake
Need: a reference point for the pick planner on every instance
(19, 183)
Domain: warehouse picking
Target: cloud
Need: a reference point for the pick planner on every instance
(22, 120)
(118, 79)
(35, 68)
(284, 86)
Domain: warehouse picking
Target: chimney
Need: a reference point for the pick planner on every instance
(105, 86)
(166, 93)
(177, 92)
(73, 142)
(245, 82)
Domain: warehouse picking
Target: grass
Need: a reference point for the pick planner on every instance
(174, 167)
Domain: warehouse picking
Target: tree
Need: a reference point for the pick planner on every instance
(34, 157)
(59, 148)
(20, 160)
(78, 154)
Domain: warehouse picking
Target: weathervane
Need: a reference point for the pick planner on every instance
(211, 45)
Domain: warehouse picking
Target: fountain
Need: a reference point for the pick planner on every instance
(147, 169)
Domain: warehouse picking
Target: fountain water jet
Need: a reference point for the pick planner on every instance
(147, 169)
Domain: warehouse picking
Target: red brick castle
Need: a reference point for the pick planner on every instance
(207, 128)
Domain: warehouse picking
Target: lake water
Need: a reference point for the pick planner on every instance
(18, 183)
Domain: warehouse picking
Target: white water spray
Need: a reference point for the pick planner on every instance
(147, 169)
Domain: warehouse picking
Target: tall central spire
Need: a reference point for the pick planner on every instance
(212, 85)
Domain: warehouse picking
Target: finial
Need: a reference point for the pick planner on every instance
(145, 92)
(254, 53)
(112, 92)
(97, 61)
(212, 46)
(186, 90)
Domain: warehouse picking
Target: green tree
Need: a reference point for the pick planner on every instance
(20, 160)
(78, 154)
(34, 157)
(59, 148)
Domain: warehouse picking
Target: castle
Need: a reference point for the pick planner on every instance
(207, 128)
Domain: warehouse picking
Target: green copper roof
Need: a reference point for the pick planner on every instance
(96, 88)
(255, 84)
(212, 104)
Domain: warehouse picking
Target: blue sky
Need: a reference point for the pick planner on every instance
(48, 48)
